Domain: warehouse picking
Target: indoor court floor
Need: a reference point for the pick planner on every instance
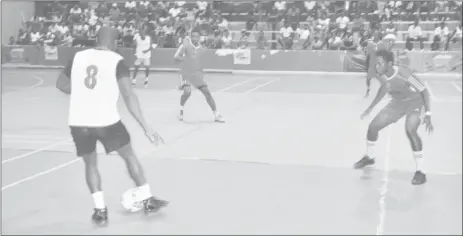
(282, 164)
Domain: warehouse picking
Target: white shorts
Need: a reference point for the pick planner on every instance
(144, 61)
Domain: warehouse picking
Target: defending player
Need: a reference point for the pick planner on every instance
(191, 71)
(96, 76)
(143, 55)
(409, 98)
(386, 44)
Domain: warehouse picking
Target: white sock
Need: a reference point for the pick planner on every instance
(181, 108)
(371, 149)
(145, 191)
(146, 79)
(98, 199)
(418, 160)
(216, 113)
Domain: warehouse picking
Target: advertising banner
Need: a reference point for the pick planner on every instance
(51, 53)
(242, 57)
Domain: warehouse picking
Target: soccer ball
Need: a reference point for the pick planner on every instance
(131, 201)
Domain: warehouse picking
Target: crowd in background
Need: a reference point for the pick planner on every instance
(292, 25)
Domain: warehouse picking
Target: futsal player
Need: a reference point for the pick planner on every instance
(387, 43)
(409, 99)
(191, 72)
(143, 55)
(96, 76)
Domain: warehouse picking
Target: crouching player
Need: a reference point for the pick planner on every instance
(409, 98)
(191, 71)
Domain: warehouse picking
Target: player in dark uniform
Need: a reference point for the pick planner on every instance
(386, 44)
(410, 98)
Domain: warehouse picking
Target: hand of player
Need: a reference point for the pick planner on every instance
(428, 123)
(154, 137)
(366, 113)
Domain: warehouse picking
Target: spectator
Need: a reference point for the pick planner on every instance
(441, 34)
(23, 37)
(244, 40)
(168, 35)
(455, 37)
(227, 39)
(304, 36)
(202, 7)
(390, 29)
(101, 10)
(114, 13)
(215, 42)
(261, 40)
(251, 21)
(36, 37)
(342, 21)
(292, 17)
(174, 11)
(280, 7)
(67, 40)
(130, 5)
(286, 36)
(222, 23)
(128, 32)
(75, 13)
(11, 41)
(415, 34)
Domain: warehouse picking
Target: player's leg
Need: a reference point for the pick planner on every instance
(186, 88)
(388, 115)
(412, 124)
(116, 138)
(137, 64)
(210, 100)
(146, 64)
(85, 142)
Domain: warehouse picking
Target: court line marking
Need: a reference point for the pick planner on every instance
(38, 78)
(384, 186)
(456, 86)
(235, 85)
(430, 90)
(36, 151)
(40, 174)
(260, 86)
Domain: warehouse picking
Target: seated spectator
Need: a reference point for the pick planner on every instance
(334, 41)
(23, 37)
(175, 11)
(227, 39)
(280, 7)
(286, 36)
(441, 34)
(342, 21)
(415, 34)
(304, 36)
(215, 41)
(318, 43)
(202, 7)
(102, 10)
(292, 17)
(261, 40)
(243, 43)
(130, 6)
(251, 20)
(62, 28)
(11, 41)
(114, 13)
(75, 14)
(455, 37)
(348, 42)
(168, 35)
(36, 37)
(222, 23)
(67, 40)
(390, 29)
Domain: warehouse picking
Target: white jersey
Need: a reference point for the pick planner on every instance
(95, 89)
(142, 45)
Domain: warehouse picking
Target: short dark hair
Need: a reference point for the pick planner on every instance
(386, 55)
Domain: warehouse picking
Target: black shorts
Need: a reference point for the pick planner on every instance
(113, 137)
(396, 109)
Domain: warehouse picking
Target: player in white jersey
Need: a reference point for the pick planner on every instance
(96, 77)
(142, 54)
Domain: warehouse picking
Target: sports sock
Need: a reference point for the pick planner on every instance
(145, 191)
(98, 200)
(418, 160)
(371, 149)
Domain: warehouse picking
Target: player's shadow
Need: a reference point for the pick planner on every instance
(368, 173)
(140, 214)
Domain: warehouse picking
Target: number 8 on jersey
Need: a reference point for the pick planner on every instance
(90, 80)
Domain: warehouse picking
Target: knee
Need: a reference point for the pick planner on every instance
(186, 91)
(206, 92)
(373, 129)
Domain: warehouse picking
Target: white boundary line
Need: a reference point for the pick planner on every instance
(36, 151)
(456, 86)
(261, 85)
(60, 167)
(40, 174)
(384, 186)
(430, 90)
(39, 79)
(235, 85)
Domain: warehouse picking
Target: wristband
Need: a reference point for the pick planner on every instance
(428, 113)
